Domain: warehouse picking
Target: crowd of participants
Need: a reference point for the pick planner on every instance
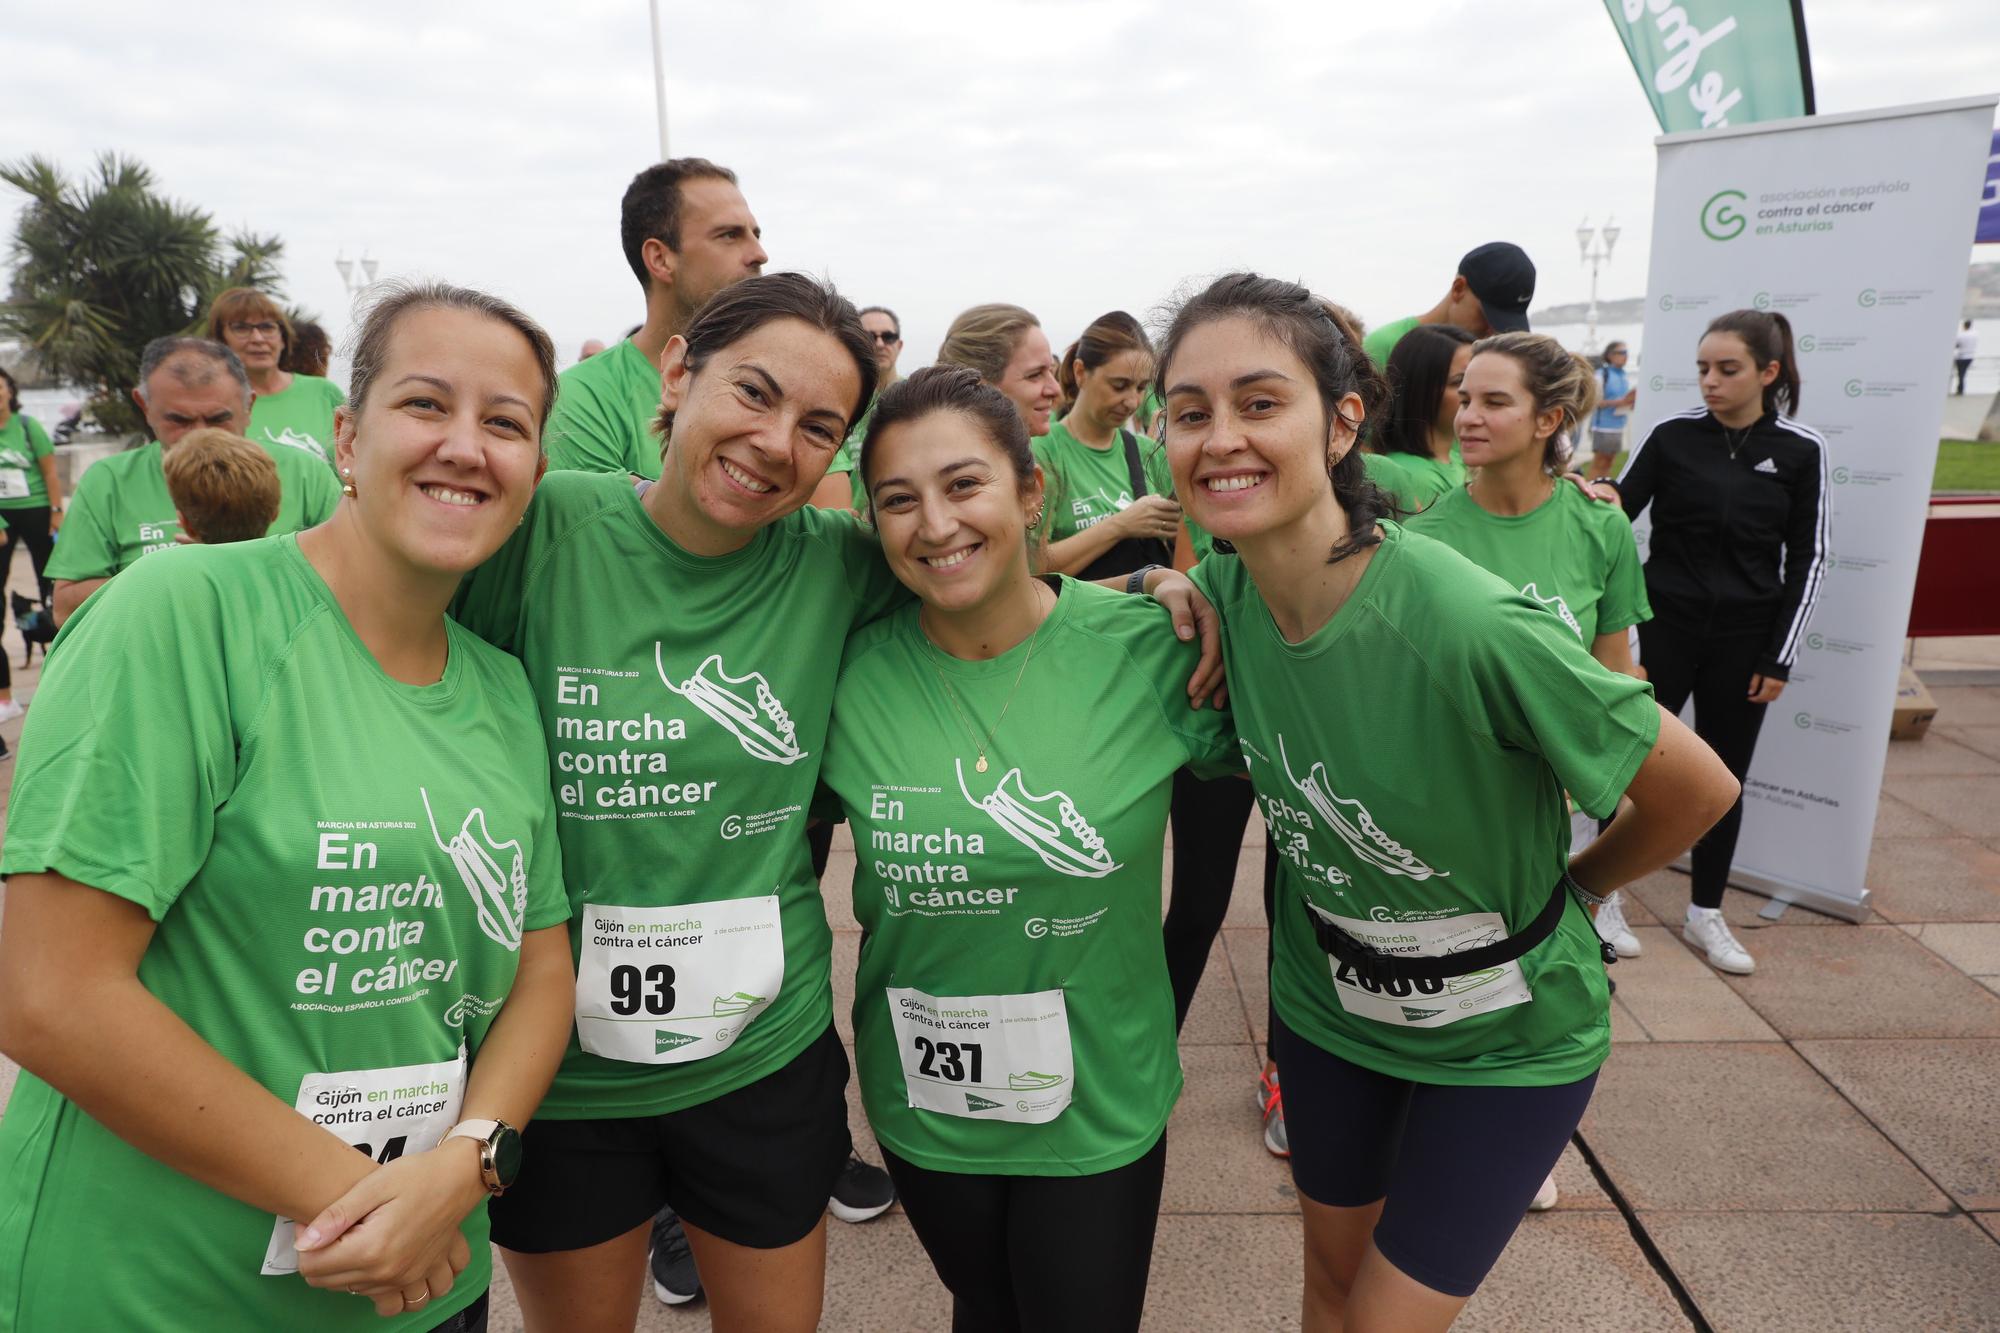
(474, 817)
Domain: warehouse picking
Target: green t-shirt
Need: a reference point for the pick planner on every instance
(685, 702)
(1414, 481)
(1086, 485)
(1570, 553)
(121, 510)
(1410, 758)
(341, 867)
(847, 458)
(300, 418)
(1379, 342)
(1030, 892)
(23, 444)
(604, 413)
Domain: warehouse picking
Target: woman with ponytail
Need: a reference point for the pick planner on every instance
(1738, 554)
(1410, 724)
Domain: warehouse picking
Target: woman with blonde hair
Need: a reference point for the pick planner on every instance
(1006, 346)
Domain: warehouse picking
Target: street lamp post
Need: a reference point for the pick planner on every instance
(659, 80)
(357, 278)
(1594, 256)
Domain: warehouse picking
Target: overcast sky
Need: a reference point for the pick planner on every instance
(1073, 156)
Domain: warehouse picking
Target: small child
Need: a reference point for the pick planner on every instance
(225, 489)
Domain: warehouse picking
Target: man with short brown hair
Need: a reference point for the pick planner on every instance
(225, 489)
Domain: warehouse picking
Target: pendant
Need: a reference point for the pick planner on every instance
(980, 767)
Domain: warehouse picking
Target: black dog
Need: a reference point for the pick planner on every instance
(35, 623)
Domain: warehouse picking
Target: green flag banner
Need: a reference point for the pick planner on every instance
(1707, 63)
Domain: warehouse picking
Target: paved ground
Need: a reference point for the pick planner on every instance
(1814, 1147)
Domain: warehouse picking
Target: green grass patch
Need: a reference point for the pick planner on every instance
(1967, 465)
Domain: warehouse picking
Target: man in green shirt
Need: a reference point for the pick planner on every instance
(1489, 294)
(121, 509)
(688, 233)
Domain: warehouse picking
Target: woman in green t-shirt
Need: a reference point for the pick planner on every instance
(31, 506)
(290, 410)
(1005, 750)
(1416, 462)
(283, 884)
(1411, 724)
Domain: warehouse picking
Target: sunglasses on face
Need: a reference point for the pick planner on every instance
(886, 339)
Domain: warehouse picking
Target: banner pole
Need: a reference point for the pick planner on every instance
(1805, 57)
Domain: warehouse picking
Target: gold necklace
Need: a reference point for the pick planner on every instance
(950, 694)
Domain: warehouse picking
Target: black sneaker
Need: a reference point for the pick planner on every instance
(675, 1280)
(862, 1192)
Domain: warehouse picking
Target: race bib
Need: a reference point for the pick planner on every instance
(13, 483)
(985, 1057)
(385, 1113)
(666, 985)
(1427, 1004)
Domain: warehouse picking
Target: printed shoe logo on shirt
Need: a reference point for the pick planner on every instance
(1768, 465)
(499, 888)
(744, 706)
(1556, 604)
(1353, 824)
(291, 439)
(1050, 826)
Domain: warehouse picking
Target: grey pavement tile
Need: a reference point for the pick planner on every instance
(1216, 1161)
(1248, 947)
(1938, 1101)
(843, 837)
(1216, 1016)
(1985, 740)
(1971, 805)
(1676, 996)
(1991, 983)
(1816, 1271)
(1577, 1187)
(1636, 911)
(1215, 1273)
(836, 886)
(1572, 1271)
(1896, 818)
(1934, 754)
(846, 952)
(1967, 705)
(1664, 893)
(1862, 981)
(1246, 899)
(1934, 879)
(1741, 1127)
(1991, 1221)
(1971, 947)
(1624, 1027)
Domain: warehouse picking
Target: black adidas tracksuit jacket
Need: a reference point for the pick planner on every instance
(1740, 539)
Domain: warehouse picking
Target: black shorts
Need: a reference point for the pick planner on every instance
(1458, 1165)
(754, 1166)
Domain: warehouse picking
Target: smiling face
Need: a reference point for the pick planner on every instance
(1107, 397)
(1248, 438)
(1731, 384)
(1029, 381)
(755, 427)
(446, 449)
(1496, 420)
(951, 510)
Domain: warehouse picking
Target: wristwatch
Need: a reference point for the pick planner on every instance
(1136, 584)
(499, 1151)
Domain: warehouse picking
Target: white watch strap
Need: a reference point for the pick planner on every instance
(482, 1130)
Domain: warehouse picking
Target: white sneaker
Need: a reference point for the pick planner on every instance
(1707, 931)
(1611, 928)
(1545, 1197)
(10, 709)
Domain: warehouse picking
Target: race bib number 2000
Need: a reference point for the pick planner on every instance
(1427, 1004)
(987, 1057)
(666, 985)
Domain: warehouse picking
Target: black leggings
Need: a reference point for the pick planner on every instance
(1716, 670)
(1048, 1253)
(1208, 817)
(30, 528)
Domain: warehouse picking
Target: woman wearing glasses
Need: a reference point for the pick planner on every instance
(291, 410)
(841, 487)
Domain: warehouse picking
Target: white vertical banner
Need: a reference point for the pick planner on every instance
(1857, 229)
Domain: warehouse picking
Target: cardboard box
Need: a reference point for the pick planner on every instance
(1914, 709)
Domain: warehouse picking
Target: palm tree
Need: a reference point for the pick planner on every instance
(105, 265)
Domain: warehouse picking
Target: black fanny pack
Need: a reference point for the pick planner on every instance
(1374, 964)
